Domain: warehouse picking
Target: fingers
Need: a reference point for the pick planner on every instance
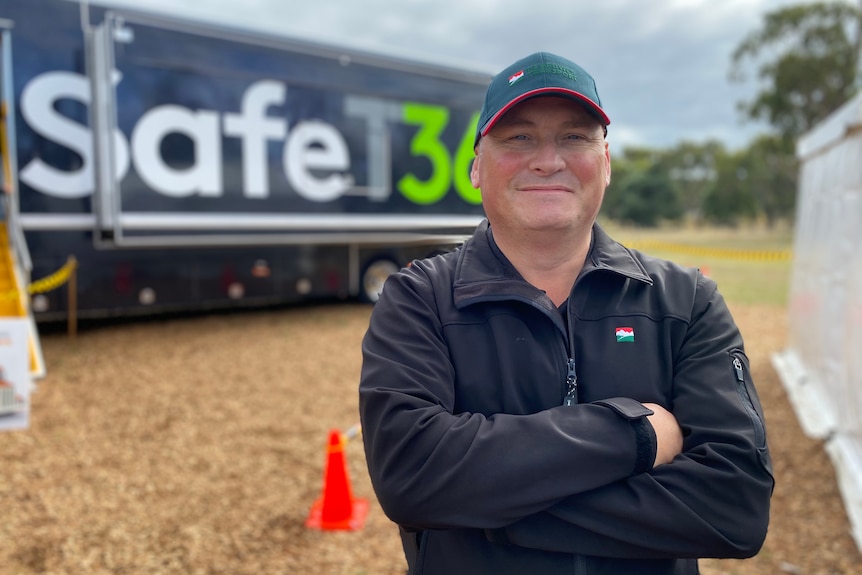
(668, 434)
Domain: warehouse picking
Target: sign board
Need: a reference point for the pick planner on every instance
(15, 382)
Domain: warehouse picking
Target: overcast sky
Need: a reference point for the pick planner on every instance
(661, 66)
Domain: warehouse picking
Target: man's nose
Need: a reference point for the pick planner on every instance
(548, 157)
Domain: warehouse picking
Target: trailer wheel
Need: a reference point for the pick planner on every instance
(374, 276)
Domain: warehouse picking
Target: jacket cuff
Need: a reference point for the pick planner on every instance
(645, 439)
(647, 445)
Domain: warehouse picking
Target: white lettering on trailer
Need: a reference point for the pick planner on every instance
(310, 148)
(255, 129)
(202, 127)
(317, 145)
(37, 107)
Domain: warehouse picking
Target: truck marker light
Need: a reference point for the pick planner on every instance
(260, 269)
(235, 290)
(39, 303)
(147, 296)
(303, 286)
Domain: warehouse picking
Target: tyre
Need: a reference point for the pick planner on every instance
(374, 276)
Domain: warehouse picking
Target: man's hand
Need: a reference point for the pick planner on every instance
(667, 432)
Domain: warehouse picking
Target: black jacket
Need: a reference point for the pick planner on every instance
(473, 453)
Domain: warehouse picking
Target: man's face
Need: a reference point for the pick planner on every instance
(543, 166)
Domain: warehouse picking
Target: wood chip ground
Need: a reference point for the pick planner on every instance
(197, 446)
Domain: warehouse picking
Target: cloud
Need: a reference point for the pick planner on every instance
(661, 66)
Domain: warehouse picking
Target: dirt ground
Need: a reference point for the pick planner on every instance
(197, 446)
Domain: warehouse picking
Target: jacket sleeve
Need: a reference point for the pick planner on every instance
(433, 468)
(713, 499)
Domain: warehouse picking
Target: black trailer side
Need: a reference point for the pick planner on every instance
(188, 166)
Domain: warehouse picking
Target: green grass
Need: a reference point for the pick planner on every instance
(729, 256)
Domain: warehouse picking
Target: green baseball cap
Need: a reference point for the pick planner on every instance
(539, 74)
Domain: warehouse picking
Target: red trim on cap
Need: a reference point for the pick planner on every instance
(538, 91)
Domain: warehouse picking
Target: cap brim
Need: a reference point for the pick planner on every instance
(591, 106)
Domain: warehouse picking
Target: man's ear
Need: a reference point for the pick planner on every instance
(608, 160)
(474, 170)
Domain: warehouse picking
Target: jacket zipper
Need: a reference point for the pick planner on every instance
(571, 384)
(742, 389)
(571, 397)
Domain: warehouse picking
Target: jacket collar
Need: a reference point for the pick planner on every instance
(608, 254)
(482, 271)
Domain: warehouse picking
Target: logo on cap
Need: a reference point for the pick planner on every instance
(515, 77)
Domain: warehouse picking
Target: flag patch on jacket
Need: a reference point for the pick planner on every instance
(625, 334)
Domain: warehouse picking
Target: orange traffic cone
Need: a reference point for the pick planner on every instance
(336, 508)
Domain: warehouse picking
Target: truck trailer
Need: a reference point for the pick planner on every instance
(189, 166)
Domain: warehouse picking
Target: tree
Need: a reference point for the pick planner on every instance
(641, 191)
(692, 167)
(816, 69)
(772, 167)
(732, 197)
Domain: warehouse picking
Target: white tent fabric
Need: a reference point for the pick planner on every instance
(821, 368)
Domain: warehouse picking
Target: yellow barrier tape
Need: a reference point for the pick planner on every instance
(726, 253)
(54, 280)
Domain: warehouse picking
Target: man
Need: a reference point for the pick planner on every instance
(544, 400)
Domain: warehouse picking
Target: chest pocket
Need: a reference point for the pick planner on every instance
(624, 356)
(507, 363)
